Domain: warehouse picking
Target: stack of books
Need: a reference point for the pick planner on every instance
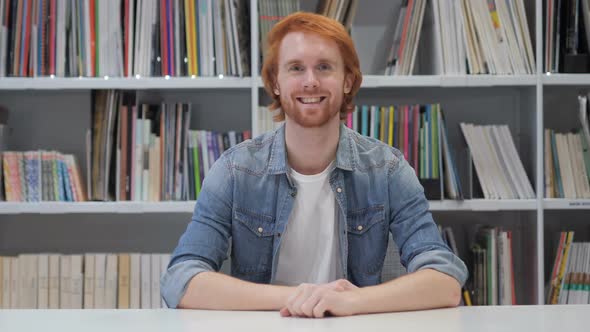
(570, 276)
(35, 176)
(499, 169)
(82, 281)
(124, 38)
(464, 37)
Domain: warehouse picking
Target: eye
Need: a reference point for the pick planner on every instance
(296, 68)
(324, 66)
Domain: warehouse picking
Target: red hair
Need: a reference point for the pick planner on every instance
(324, 27)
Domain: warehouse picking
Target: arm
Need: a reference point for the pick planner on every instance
(424, 289)
(212, 290)
(429, 261)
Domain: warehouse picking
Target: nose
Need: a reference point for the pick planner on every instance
(311, 81)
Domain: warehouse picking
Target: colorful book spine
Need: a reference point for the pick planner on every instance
(57, 178)
(365, 120)
(22, 176)
(406, 146)
(66, 179)
(556, 166)
(33, 172)
(390, 130)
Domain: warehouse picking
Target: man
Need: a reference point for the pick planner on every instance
(309, 207)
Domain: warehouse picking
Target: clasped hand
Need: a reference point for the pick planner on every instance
(337, 298)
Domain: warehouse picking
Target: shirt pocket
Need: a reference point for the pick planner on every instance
(261, 225)
(252, 242)
(367, 239)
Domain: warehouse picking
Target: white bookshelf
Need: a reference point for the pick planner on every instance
(54, 112)
(8, 208)
(464, 81)
(565, 79)
(484, 205)
(140, 83)
(97, 207)
(566, 204)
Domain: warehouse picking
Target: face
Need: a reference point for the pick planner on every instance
(311, 81)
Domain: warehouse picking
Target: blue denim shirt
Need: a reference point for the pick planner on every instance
(247, 198)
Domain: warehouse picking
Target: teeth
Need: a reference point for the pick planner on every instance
(310, 100)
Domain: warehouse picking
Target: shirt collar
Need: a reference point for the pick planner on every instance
(345, 154)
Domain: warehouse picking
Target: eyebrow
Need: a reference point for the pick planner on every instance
(323, 60)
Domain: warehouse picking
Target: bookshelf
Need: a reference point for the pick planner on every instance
(566, 204)
(54, 113)
(160, 83)
(188, 206)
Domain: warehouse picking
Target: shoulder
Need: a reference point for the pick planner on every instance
(371, 153)
(251, 155)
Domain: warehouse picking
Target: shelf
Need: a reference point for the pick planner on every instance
(380, 81)
(188, 206)
(373, 81)
(484, 205)
(83, 83)
(566, 204)
(369, 81)
(96, 207)
(566, 79)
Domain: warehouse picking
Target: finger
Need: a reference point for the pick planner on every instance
(345, 284)
(335, 285)
(291, 300)
(295, 294)
(285, 312)
(310, 303)
(320, 309)
(294, 303)
(297, 307)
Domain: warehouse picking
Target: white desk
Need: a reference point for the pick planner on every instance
(520, 318)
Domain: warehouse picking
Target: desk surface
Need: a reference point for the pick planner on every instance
(518, 319)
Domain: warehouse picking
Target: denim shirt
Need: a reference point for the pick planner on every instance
(247, 198)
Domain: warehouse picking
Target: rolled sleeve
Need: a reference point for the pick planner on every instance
(174, 282)
(442, 261)
(414, 230)
(204, 244)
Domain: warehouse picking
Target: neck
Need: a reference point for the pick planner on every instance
(311, 150)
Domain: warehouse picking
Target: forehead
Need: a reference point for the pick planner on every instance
(304, 46)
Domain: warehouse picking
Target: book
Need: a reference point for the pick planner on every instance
(54, 281)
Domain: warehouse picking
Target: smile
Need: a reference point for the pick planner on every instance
(311, 100)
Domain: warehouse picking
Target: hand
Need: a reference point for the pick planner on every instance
(341, 285)
(337, 298)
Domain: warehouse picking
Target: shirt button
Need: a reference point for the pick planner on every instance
(260, 229)
(360, 228)
(339, 189)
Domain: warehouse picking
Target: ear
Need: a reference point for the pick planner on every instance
(276, 89)
(347, 83)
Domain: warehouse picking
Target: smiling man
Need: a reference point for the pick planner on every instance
(308, 208)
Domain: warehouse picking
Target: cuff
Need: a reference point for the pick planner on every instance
(442, 261)
(174, 282)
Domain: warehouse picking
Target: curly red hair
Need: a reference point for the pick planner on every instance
(324, 27)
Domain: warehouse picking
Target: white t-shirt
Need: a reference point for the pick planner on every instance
(310, 246)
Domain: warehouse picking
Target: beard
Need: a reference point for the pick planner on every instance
(310, 117)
